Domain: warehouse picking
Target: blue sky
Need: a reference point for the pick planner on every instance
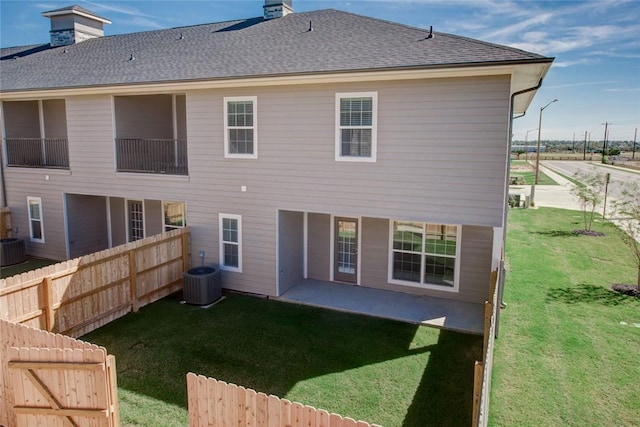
(595, 77)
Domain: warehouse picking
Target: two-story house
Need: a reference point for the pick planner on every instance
(321, 145)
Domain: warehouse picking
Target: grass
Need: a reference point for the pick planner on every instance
(28, 265)
(523, 169)
(386, 372)
(568, 351)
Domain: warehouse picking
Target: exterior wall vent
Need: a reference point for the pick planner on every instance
(277, 8)
(74, 24)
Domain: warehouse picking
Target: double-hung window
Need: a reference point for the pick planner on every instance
(356, 126)
(231, 242)
(241, 127)
(36, 229)
(174, 214)
(424, 254)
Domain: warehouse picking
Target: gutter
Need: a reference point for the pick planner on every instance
(303, 77)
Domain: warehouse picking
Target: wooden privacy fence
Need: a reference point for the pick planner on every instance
(77, 296)
(219, 404)
(53, 380)
(5, 223)
(482, 371)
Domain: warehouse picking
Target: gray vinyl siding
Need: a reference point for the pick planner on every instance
(153, 220)
(442, 145)
(21, 119)
(319, 246)
(54, 118)
(144, 116)
(87, 224)
(52, 211)
(118, 221)
(290, 249)
(475, 262)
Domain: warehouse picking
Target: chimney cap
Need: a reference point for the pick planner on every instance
(75, 10)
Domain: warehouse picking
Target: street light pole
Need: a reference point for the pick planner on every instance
(526, 144)
(535, 182)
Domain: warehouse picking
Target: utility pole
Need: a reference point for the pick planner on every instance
(573, 144)
(584, 148)
(635, 135)
(537, 176)
(604, 144)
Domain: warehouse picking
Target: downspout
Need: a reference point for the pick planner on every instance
(506, 196)
(4, 188)
(3, 144)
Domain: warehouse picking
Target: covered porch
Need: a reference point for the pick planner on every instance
(460, 316)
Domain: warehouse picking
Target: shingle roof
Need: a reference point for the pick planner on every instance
(339, 42)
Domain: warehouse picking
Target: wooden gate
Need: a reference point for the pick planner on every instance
(63, 387)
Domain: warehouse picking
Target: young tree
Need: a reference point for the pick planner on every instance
(628, 208)
(518, 153)
(590, 194)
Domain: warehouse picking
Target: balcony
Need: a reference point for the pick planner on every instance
(157, 156)
(52, 153)
(151, 134)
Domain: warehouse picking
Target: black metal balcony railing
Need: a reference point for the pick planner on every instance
(50, 153)
(161, 156)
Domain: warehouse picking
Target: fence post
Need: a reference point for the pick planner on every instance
(133, 281)
(185, 251)
(49, 318)
(478, 375)
(488, 309)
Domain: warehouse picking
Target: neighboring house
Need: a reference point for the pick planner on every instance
(321, 145)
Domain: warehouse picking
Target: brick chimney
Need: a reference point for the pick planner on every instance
(277, 8)
(74, 24)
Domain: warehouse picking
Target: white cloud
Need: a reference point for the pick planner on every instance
(623, 90)
(519, 26)
(583, 61)
(140, 21)
(123, 9)
(579, 84)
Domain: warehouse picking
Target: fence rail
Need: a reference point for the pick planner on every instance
(483, 369)
(161, 156)
(216, 403)
(52, 153)
(77, 296)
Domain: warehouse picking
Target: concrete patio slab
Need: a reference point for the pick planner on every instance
(430, 311)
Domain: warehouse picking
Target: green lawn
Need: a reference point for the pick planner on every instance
(568, 352)
(529, 178)
(386, 372)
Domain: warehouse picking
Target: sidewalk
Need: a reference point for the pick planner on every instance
(559, 196)
(550, 196)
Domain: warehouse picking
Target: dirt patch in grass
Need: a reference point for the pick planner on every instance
(522, 167)
(592, 233)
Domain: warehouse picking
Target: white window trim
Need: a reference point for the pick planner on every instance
(456, 282)
(41, 219)
(184, 215)
(222, 216)
(374, 127)
(226, 101)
